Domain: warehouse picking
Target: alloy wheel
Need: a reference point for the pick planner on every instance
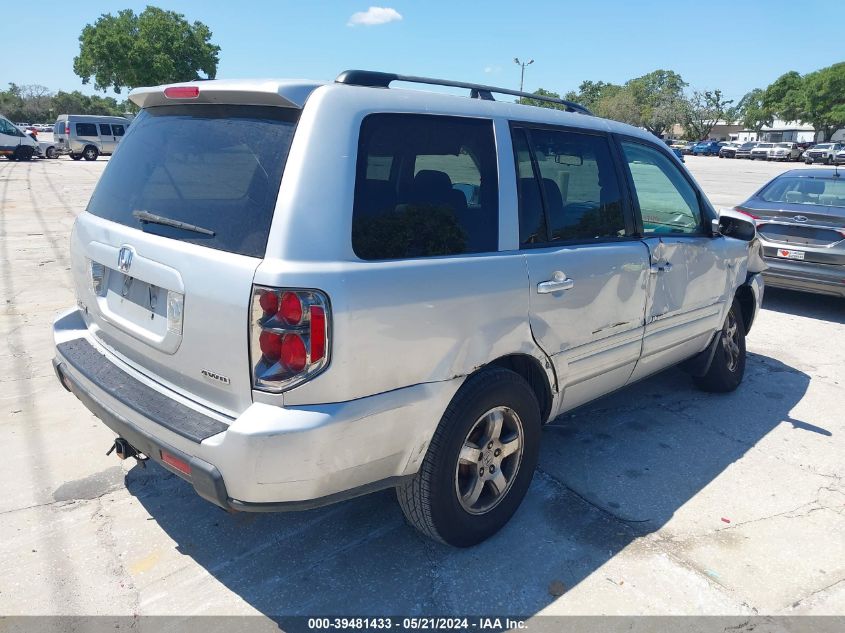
(489, 460)
(730, 341)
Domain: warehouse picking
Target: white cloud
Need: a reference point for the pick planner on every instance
(492, 69)
(374, 16)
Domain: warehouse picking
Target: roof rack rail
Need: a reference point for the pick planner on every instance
(374, 79)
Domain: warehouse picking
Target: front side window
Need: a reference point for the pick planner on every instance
(426, 185)
(86, 129)
(567, 182)
(668, 203)
(6, 127)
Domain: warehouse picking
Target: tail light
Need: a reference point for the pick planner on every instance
(289, 337)
(746, 212)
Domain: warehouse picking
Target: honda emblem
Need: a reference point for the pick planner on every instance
(124, 258)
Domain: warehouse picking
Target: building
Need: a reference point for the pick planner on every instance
(790, 131)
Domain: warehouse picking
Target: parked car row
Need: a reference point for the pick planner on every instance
(784, 151)
(78, 136)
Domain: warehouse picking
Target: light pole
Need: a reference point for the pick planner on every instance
(522, 66)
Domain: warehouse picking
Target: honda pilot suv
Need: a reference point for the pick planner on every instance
(292, 293)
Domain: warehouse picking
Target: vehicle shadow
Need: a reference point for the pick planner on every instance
(609, 472)
(814, 306)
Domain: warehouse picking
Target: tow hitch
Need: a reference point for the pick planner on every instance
(125, 450)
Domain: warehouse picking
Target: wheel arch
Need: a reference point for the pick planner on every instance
(540, 379)
(747, 304)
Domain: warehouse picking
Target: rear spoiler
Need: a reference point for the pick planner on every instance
(281, 93)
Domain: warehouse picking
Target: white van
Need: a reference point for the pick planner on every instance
(14, 144)
(88, 136)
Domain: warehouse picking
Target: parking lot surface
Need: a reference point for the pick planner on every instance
(659, 499)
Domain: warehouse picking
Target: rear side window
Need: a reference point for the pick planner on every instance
(86, 129)
(117, 130)
(668, 203)
(568, 189)
(105, 129)
(215, 167)
(426, 185)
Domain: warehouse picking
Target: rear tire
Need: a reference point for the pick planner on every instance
(728, 365)
(52, 153)
(473, 477)
(90, 153)
(75, 156)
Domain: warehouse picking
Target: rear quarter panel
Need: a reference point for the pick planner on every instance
(394, 323)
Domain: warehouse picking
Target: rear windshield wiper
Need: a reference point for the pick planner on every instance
(145, 217)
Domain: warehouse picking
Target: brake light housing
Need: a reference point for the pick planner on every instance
(746, 212)
(182, 92)
(289, 337)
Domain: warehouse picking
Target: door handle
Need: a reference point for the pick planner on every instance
(663, 267)
(558, 282)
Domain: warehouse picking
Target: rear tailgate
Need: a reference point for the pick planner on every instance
(164, 258)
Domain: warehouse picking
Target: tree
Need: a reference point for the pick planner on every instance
(543, 104)
(785, 96)
(752, 112)
(702, 111)
(151, 48)
(824, 99)
(658, 96)
(592, 93)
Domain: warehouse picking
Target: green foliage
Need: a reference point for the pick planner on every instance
(151, 48)
(659, 100)
(817, 98)
(752, 112)
(543, 104)
(701, 111)
(824, 99)
(785, 96)
(36, 104)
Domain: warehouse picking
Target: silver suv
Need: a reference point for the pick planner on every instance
(292, 293)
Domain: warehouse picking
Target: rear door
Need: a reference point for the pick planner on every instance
(588, 272)
(173, 301)
(688, 267)
(106, 138)
(118, 130)
(84, 134)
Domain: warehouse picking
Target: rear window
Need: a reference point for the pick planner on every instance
(426, 186)
(818, 191)
(215, 167)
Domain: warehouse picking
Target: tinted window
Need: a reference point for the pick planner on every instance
(425, 186)
(216, 167)
(667, 201)
(822, 191)
(567, 181)
(105, 129)
(86, 129)
(117, 130)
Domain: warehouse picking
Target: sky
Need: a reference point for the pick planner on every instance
(732, 45)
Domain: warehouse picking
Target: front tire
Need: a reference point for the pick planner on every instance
(728, 365)
(479, 463)
(75, 156)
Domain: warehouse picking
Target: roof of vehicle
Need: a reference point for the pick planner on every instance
(815, 172)
(295, 92)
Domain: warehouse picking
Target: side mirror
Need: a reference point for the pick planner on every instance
(736, 225)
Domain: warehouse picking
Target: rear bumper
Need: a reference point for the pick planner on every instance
(805, 276)
(269, 458)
